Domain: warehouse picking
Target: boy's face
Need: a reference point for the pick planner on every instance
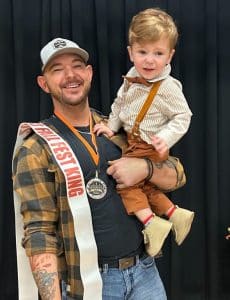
(150, 58)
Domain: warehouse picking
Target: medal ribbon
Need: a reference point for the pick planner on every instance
(94, 153)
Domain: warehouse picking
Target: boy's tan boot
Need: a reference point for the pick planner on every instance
(182, 220)
(155, 234)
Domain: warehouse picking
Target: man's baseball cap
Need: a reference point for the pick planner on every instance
(61, 46)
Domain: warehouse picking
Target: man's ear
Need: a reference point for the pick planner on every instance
(41, 80)
(90, 71)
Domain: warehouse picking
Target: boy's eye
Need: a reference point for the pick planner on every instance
(141, 51)
(159, 53)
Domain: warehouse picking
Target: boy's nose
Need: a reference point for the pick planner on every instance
(150, 58)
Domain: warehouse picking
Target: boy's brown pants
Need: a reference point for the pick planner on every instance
(144, 195)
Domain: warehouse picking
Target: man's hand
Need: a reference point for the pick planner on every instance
(129, 171)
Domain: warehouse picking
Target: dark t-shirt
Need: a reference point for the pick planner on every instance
(117, 234)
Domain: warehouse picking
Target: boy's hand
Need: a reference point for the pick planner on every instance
(101, 128)
(160, 145)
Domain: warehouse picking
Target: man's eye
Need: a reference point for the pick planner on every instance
(57, 70)
(78, 66)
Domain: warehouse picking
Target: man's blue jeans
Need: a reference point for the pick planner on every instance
(140, 282)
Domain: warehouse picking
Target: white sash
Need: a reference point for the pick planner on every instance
(79, 205)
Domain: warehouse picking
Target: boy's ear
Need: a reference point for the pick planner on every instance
(171, 56)
(42, 83)
(130, 53)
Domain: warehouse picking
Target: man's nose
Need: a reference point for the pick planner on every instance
(69, 72)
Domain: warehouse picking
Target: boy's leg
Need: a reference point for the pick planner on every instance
(182, 221)
(155, 233)
(158, 201)
(180, 218)
(156, 229)
(134, 199)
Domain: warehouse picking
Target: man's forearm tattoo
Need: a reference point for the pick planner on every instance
(45, 282)
(169, 164)
(44, 279)
(160, 165)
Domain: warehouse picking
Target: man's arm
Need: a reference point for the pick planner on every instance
(32, 182)
(129, 171)
(44, 269)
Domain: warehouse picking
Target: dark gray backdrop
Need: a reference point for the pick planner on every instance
(199, 269)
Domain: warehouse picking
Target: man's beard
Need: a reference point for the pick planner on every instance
(69, 101)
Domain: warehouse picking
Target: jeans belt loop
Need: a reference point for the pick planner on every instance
(105, 268)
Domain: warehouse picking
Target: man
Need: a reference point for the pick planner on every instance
(76, 230)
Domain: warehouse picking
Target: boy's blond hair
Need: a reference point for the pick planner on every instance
(150, 25)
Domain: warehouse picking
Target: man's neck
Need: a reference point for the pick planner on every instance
(75, 115)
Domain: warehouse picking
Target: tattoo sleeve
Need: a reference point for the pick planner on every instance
(169, 174)
(160, 165)
(44, 269)
(164, 175)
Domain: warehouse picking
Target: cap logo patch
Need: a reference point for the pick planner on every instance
(59, 44)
